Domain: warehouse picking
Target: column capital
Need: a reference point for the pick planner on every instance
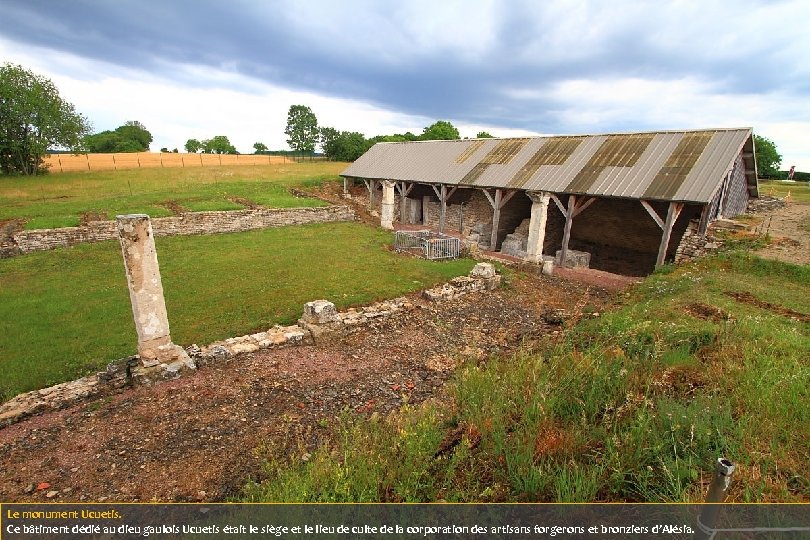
(540, 197)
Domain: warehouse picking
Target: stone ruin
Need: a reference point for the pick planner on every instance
(166, 361)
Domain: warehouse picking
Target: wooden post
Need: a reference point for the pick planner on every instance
(496, 220)
(497, 202)
(404, 189)
(371, 185)
(569, 218)
(443, 195)
(666, 226)
(672, 216)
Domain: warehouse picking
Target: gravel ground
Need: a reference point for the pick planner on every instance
(791, 240)
(196, 438)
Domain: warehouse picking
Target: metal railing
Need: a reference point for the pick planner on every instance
(427, 244)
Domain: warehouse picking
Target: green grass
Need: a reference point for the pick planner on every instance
(799, 191)
(66, 313)
(635, 405)
(58, 200)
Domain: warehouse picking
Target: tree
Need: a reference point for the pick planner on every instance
(130, 137)
(260, 148)
(328, 136)
(483, 135)
(302, 128)
(164, 150)
(440, 131)
(768, 158)
(34, 118)
(218, 144)
(136, 132)
(193, 146)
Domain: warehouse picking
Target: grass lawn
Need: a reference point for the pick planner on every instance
(799, 191)
(59, 200)
(66, 313)
(635, 405)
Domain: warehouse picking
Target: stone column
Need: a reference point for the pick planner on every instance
(155, 345)
(387, 208)
(537, 226)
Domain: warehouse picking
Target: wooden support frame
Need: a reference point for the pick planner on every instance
(371, 186)
(404, 189)
(497, 202)
(576, 205)
(666, 226)
(443, 194)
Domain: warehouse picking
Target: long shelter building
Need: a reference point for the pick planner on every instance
(621, 200)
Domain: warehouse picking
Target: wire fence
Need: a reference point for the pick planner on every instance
(138, 160)
(427, 244)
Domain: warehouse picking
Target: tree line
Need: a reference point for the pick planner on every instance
(304, 134)
(35, 119)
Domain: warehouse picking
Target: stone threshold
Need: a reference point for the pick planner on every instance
(319, 323)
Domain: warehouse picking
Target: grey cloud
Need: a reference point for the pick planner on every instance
(365, 56)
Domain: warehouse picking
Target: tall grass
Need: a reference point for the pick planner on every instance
(635, 405)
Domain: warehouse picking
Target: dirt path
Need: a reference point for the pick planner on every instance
(196, 438)
(788, 228)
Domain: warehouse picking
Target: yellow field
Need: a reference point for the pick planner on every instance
(136, 160)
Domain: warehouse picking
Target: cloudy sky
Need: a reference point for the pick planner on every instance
(195, 69)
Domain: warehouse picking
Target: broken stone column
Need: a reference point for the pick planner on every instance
(537, 226)
(486, 273)
(321, 320)
(387, 208)
(155, 345)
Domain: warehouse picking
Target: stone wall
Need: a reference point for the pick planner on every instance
(694, 245)
(184, 224)
(321, 321)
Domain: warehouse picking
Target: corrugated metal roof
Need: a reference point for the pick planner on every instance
(684, 166)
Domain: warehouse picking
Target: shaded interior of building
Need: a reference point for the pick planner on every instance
(619, 234)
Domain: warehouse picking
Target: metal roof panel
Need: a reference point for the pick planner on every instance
(662, 165)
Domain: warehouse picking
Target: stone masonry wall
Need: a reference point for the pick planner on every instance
(321, 321)
(184, 224)
(694, 245)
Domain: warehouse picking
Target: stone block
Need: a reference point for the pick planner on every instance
(483, 270)
(320, 312)
(574, 259)
(246, 347)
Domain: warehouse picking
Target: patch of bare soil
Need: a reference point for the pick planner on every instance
(748, 298)
(598, 278)
(247, 203)
(707, 313)
(10, 226)
(174, 207)
(791, 240)
(199, 438)
(87, 217)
